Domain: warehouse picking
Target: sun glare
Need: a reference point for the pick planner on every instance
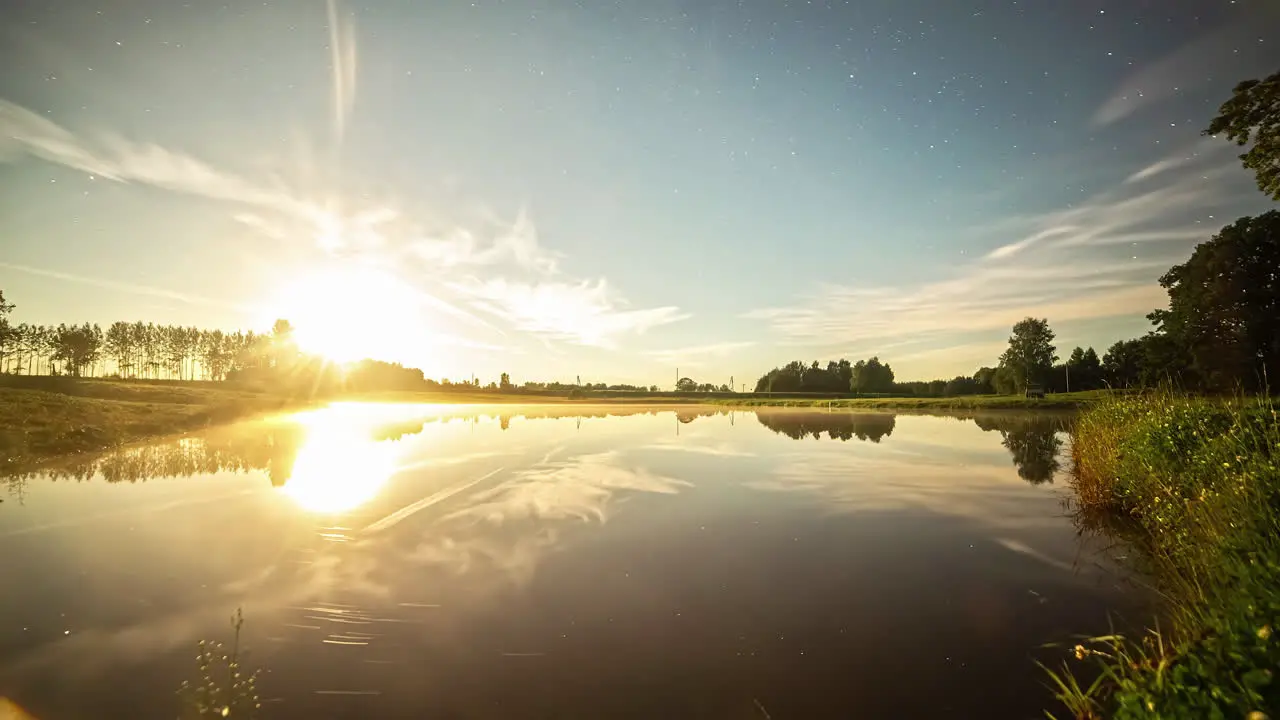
(346, 315)
(338, 468)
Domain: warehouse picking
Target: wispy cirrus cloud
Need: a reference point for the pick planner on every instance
(115, 158)
(498, 258)
(1095, 259)
(1233, 43)
(582, 312)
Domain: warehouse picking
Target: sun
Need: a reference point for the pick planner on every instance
(348, 314)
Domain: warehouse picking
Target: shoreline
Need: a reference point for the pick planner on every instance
(44, 419)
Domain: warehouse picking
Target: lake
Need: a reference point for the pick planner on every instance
(551, 562)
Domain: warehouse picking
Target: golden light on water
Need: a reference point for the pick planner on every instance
(338, 468)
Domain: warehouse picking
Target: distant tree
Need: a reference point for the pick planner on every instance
(1031, 353)
(1082, 370)
(871, 376)
(77, 347)
(8, 338)
(1006, 381)
(505, 382)
(984, 380)
(685, 384)
(1252, 116)
(284, 347)
(1122, 364)
(1224, 305)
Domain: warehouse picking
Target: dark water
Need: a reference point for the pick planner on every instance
(428, 562)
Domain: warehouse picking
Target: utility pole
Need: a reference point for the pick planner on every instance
(1067, 365)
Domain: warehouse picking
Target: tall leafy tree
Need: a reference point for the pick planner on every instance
(1031, 353)
(1252, 116)
(1122, 364)
(1224, 305)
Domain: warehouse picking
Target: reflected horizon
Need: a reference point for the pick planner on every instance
(324, 440)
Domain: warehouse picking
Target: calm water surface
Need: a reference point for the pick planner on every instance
(446, 562)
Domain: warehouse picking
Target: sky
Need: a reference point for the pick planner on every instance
(620, 191)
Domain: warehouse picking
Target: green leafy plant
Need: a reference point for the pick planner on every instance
(1191, 485)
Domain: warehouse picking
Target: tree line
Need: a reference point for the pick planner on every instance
(135, 350)
(837, 376)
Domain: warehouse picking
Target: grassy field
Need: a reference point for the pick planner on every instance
(46, 417)
(1192, 485)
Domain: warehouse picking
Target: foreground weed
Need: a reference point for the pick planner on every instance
(223, 688)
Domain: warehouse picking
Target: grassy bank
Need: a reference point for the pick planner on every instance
(1192, 485)
(37, 425)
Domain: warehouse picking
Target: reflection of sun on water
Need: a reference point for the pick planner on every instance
(338, 467)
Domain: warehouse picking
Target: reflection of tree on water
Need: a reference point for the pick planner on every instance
(273, 446)
(841, 426)
(685, 415)
(1032, 440)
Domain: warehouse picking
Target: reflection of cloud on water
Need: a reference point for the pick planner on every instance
(510, 526)
(871, 480)
(579, 488)
(1024, 549)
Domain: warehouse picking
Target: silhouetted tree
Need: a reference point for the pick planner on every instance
(872, 376)
(1252, 117)
(8, 338)
(1224, 304)
(1031, 353)
(1122, 364)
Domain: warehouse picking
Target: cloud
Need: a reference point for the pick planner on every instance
(553, 307)
(516, 243)
(133, 288)
(1189, 67)
(584, 312)
(1205, 145)
(1097, 259)
(699, 355)
(117, 159)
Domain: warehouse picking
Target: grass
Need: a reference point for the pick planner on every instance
(36, 425)
(1192, 486)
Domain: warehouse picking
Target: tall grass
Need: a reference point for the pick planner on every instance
(1192, 485)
